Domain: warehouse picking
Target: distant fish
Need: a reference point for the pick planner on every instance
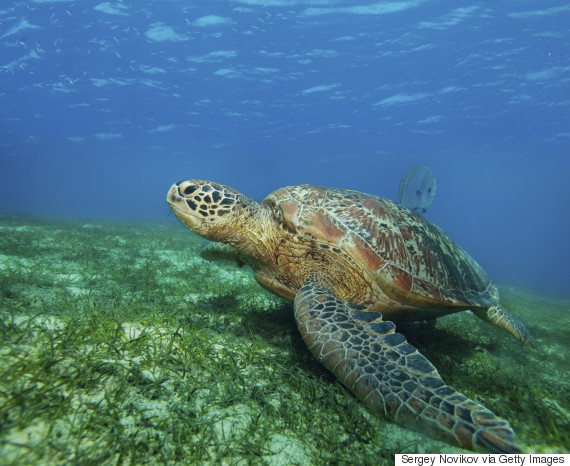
(418, 189)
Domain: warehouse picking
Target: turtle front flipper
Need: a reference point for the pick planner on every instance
(390, 376)
(496, 315)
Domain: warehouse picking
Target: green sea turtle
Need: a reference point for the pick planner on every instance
(354, 264)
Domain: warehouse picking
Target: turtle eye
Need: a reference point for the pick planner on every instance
(190, 189)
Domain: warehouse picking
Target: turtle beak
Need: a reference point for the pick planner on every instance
(173, 197)
(178, 205)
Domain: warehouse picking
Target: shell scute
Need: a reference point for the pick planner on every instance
(401, 280)
(364, 254)
(323, 227)
(426, 290)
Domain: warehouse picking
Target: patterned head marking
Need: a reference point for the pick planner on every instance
(202, 206)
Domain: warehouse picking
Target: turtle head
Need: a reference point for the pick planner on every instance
(207, 208)
(222, 214)
(204, 207)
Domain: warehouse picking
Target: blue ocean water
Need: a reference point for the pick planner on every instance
(104, 104)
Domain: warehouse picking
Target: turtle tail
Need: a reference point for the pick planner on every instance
(390, 376)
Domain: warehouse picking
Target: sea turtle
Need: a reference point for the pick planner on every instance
(354, 264)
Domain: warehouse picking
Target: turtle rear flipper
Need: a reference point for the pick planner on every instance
(390, 376)
(496, 315)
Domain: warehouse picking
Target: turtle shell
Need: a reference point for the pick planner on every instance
(414, 260)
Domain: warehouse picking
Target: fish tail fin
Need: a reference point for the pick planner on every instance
(401, 190)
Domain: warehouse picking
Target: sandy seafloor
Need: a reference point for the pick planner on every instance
(120, 345)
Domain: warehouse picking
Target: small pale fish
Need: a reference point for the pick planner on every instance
(418, 189)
